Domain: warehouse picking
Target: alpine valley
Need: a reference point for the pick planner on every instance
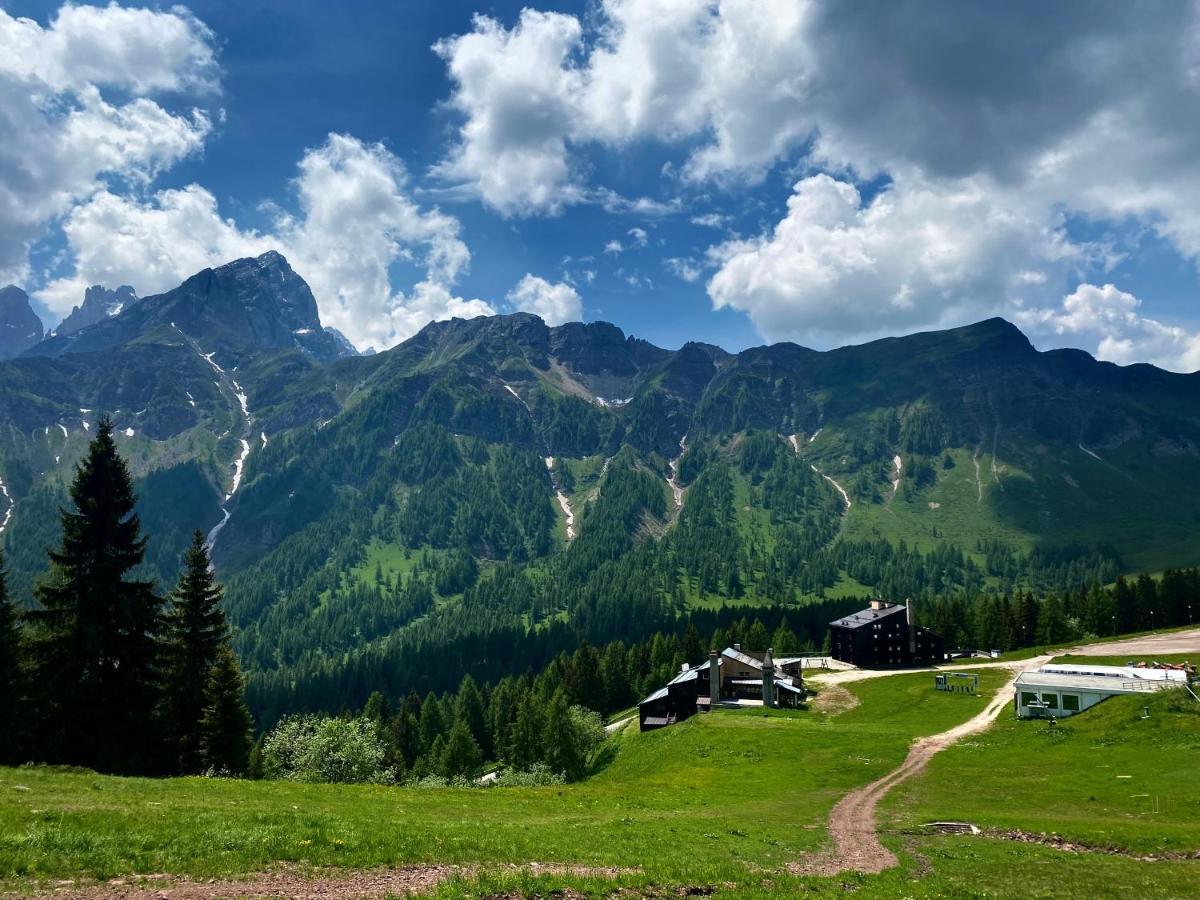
(490, 491)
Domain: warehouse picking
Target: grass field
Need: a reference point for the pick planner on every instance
(724, 801)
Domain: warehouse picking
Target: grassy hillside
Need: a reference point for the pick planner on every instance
(723, 801)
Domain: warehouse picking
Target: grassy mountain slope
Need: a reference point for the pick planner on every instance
(722, 802)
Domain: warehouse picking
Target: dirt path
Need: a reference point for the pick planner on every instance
(852, 823)
(401, 881)
(856, 844)
(394, 882)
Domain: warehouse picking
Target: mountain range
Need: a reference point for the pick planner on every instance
(490, 476)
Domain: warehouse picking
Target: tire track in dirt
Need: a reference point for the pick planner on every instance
(856, 843)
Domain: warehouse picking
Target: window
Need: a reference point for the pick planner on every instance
(1028, 699)
(1070, 702)
(1051, 700)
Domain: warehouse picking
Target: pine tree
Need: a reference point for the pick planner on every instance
(195, 633)
(461, 757)
(95, 639)
(11, 681)
(254, 764)
(377, 708)
(469, 710)
(226, 726)
(525, 742)
(559, 739)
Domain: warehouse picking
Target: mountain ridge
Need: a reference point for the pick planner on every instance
(592, 479)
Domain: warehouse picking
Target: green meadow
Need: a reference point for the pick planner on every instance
(723, 801)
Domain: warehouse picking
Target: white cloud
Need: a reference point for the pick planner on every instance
(991, 125)
(63, 138)
(639, 235)
(710, 220)
(356, 220)
(555, 303)
(666, 69)
(613, 246)
(141, 50)
(686, 269)
(152, 245)
(1111, 318)
(516, 90)
(919, 254)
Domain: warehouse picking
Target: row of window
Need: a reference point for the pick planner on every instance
(1070, 702)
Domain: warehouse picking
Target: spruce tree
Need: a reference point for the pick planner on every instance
(95, 637)
(461, 757)
(195, 633)
(226, 726)
(562, 749)
(469, 710)
(11, 682)
(525, 739)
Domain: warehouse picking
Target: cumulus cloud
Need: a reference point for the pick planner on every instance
(555, 303)
(140, 50)
(667, 69)
(516, 89)
(63, 138)
(1112, 319)
(920, 253)
(356, 220)
(991, 124)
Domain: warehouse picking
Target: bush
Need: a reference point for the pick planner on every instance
(320, 749)
(538, 775)
(589, 730)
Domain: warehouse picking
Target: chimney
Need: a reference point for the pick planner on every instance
(768, 665)
(737, 647)
(912, 629)
(714, 678)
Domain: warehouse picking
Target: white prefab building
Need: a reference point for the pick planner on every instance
(1063, 690)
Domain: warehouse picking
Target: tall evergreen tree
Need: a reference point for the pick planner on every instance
(561, 746)
(461, 756)
(469, 710)
(95, 639)
(11, 681)
(225, 729)
(195, 633)
(525, 739)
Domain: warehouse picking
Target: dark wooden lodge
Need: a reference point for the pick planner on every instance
(883, 636)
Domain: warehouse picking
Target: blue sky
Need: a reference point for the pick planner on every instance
(770, 170)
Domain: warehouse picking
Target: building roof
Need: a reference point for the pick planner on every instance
(1099, 684)
(867, 616)
(689, 675)
(657, 695)
(741, 657)
(1129, 673)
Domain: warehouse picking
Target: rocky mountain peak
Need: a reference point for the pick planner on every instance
(234, 310)
(20, 328)
(99, 303)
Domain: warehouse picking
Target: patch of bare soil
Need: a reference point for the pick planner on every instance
(296, 884)
(832, 699)
(1172, 642)
(1060, 843)
(856, 844)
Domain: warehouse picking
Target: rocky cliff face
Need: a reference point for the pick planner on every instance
(99, 303)
(234, 310)
(20, 328)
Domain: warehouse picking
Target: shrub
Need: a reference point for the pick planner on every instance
(320, 749)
